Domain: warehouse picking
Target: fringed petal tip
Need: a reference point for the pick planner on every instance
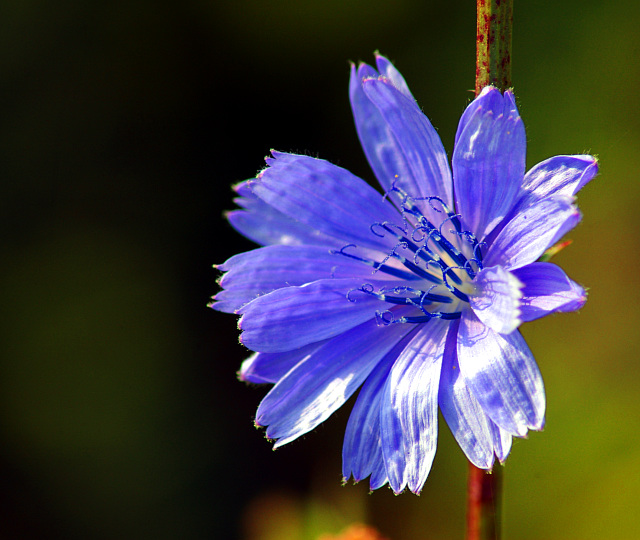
(241, 376)
(247, 374)
(547, 289)
(489, 89)
(351, 479)
(239, 186)
(374, 483)
(508, 95)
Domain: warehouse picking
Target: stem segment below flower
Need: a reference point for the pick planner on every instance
(483, 503)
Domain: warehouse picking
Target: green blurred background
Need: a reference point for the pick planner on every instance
(123, 125)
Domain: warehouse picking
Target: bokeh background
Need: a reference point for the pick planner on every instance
(122, 126)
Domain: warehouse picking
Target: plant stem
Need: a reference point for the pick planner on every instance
(493, 44)
(484, 491)
(493, 67)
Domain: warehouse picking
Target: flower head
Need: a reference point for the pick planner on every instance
(414, 297)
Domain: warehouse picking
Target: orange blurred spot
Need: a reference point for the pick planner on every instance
(355, 532)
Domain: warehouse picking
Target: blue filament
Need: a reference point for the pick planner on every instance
(431, 250)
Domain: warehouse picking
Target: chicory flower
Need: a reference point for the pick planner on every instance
(415, 296)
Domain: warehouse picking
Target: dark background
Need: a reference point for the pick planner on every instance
(122, 127)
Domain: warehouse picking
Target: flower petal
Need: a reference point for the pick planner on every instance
(531, 232)
(265, 225)
(490, 99)
(417, 141)
(409, 408)
(379, 475)
(488, 160)
(501, 442)
(502, 374)
(388, 70)
(497, 299)
(325, 197)
(310, 392)
(559, 175)
(262, 368)
(362, 449)
(462, 412)
(547, 289)
(292, 317)
(260, 271)
(383, 151)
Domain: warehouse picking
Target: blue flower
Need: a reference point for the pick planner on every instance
(414, 297)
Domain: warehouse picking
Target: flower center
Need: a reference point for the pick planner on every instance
(434, 265)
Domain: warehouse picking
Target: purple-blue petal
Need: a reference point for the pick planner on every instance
(502, 374)
(310, 392)
(379, 475)
(547, 289)
(418, 142)
(462, 412)
(489, 99)
(362, 448)
(409, 408)
(388, 70)
(292, 317)
(265, 225)
(559, 175)
(531, 232)
(263, 368)
(488, 161)
(260, 271)
(501, 442)
(496, 301)
(325, 197)
(383, 151)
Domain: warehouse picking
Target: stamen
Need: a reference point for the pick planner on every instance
(386, 269)
(477, 252)
(445, 259)
(428, 294)
(439, 238)
(386, 225)
(385, 318)
(419, 271)
(423, 297)
(427, 318)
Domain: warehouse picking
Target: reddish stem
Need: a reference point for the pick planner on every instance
(483, 503)
(493, 43)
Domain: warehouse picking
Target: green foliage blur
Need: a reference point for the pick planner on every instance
(122, 127)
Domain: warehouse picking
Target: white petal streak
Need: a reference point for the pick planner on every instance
(409, 409)
(497, 299)
(462, 412)
(502, 374)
